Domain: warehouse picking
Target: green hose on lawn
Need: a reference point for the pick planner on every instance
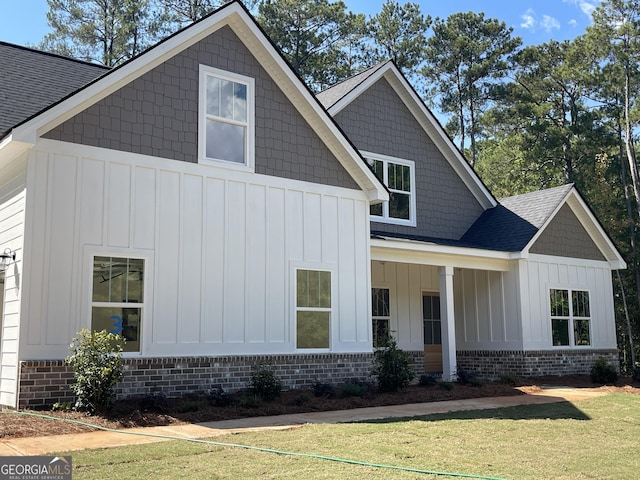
(249, 447)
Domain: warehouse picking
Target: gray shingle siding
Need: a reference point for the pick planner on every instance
(377, 121)
(157, 114)
(566, 237)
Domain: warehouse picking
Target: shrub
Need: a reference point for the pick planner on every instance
(636, 374)
(219, 398)
(465, 377)
(602, 372)
(427, 380)
(392, 367)
(323, 389)
(96, 360)
(154, 402)
(354, 388)
(264, 383)
(507, 379)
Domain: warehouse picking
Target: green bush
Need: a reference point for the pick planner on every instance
(508, 379)
(96, 360)
(354, 388)
(392, 366)
(264, 383)
(603, 373)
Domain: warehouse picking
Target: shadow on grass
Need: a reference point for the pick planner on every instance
(548, 411)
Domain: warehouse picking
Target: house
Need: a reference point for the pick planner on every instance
(200, 200)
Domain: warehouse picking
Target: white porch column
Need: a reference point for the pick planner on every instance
(447, 323)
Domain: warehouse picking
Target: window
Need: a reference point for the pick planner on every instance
(313, 308)
(570, 317)
(117, 298)
(398, 176)
(431, 320)
(226, 117)
(380, 316)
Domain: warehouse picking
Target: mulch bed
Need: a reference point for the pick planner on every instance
(158, 411)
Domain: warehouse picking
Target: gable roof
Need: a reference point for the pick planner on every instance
(235, 16)
(46, 77)
(517, 222)
(339, 96)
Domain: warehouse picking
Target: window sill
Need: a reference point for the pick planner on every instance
(238, 167)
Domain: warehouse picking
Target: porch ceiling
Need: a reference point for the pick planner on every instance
(399, 250)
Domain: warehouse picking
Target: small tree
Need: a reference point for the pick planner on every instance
(392, 366)
(96, 360)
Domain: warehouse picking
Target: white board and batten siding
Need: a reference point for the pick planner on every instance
(541, 273)
(220, 248)
(483, 306)
(406, 283)
(12, 215)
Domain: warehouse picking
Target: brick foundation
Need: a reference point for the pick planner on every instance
(492, 365)
(42, 383)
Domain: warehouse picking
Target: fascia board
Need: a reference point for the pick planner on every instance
(10, 148)
(408, 251)
(429, 124)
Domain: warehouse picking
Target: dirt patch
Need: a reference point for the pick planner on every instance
(158, 411)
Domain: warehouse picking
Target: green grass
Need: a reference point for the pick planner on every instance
(591, 439)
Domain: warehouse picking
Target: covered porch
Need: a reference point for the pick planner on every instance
(439, 299)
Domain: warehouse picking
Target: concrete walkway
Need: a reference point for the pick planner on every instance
(133, 436)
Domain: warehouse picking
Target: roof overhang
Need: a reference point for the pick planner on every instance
(426, 253)
(244, 26)
(598, 235)
(428, 122)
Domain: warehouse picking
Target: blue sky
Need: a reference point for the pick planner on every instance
(24, 21)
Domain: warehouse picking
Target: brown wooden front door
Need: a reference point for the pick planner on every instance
(432, 333)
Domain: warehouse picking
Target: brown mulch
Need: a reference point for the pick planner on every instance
(193, 409)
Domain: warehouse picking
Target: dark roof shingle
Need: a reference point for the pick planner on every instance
(31, 80)
(513, 223)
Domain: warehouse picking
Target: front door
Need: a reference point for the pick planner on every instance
(432, 333)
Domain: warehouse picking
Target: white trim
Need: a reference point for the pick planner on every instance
(385, 218)
(250, 124)
(410, 251)
(206, 171)
(572, 341)
(146, 306)
(333, 315)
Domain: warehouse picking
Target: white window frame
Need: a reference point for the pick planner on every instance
(249, 146)
(145, 306)
(571, 317)
(374, 318)
(385, 218)
(322, 267)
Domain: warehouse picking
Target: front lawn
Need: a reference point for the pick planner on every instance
(595, 439)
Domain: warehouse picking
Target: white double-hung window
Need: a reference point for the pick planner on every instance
(399, 177)
(570, 317)
(226, 118)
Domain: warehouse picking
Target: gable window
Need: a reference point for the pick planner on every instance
(399, 177)
(380, 316)
(570, 317)
(117, 298)
(313, 308)
(226, 128)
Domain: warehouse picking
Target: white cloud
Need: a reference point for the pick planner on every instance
(572, 22)
(587, 7)
(528, 19)
(549, 23)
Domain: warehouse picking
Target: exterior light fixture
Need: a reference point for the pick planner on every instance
(6, 258)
